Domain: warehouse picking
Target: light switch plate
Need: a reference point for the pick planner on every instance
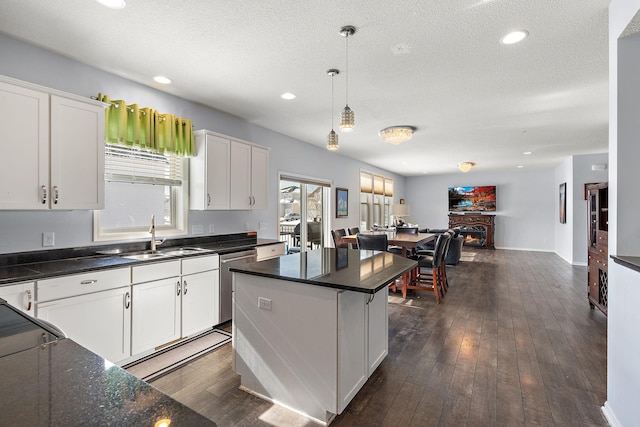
(264, 303)
(48, 239)
(197, 229)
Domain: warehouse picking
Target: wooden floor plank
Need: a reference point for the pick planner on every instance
(513, 342)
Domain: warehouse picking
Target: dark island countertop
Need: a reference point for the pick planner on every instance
(347, 269)
(64, 384)
(632, 262)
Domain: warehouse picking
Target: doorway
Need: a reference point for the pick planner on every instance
(303, 201)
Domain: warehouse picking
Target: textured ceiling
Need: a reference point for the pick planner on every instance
(433, 64)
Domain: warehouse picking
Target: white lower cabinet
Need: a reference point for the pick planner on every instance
(200, 308)
(99, 321)
(156, 314)
(178, 299)
(20, 295)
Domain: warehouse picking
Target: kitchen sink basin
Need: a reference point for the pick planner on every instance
(146, 255)
(183, 251)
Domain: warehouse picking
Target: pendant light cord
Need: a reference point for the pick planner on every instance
(347, 69)
(332, 74)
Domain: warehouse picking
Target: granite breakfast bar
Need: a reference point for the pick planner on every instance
(309, 329)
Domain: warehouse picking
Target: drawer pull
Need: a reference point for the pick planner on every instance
(179, 287)
(89, 282)
(184, 291)
(44, 194)
(56, 195)
(127, 300)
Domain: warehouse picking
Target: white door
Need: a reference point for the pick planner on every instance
(100, 321)
(20, 296)
(24, 163)
(155, 314)
(77, 154)
(200, 302)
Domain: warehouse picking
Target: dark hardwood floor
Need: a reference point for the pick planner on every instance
(513, 343)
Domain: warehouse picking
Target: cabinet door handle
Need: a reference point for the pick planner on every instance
(56, 195)
(179, 287)
(208, 199)
(29, 299)
(127, 300)
(184, 291)
(89, 282)
(43, 198)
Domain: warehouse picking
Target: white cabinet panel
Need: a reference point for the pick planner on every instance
(77, 154)
(155, 314)
(352, 346)
(83, 283)
(200, 302)
(20, 295)
(154, 271)
(99, 321)
(240, 175)
(209, 175)
(24, 163)
(53, 150)
(378, 330)
(259, 177)
(270, 251)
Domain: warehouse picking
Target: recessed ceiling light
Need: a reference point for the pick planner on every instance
(288, 96)
(526, 153)
(112, 4)
(162, 80)
(519, 166)
(514, 37)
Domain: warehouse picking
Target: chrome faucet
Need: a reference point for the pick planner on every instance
(154, 243)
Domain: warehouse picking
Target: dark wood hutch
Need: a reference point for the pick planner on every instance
(598, 275)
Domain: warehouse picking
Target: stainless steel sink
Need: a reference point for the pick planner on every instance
(146, 255)
(183, 251)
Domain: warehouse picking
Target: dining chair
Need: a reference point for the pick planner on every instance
(403, 230)
(373, 242)
(337, 235)
(354, 230)
(434, 278)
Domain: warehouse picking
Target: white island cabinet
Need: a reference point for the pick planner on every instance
(20, 295)
(53, 150)
(309, 329)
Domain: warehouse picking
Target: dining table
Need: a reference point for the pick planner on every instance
(405, 241)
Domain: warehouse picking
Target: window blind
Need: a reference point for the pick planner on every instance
(129, 164)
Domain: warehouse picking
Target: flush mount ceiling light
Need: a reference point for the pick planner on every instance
(466, 166)
(288, 96)
(347, 117)
(514, 37)
(112, 4)
(397, 134)
(162, 80)
(332, 138)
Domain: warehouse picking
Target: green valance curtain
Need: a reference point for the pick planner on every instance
(146, 128)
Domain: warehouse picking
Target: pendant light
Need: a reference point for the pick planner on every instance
(332, 139)
(347, 117)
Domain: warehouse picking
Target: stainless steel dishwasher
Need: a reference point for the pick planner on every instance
(227, 261)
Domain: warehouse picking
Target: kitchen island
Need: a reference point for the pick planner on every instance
(309, 329)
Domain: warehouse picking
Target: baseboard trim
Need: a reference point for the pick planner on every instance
(609, 416)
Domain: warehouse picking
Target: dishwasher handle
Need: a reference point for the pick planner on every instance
(226, 260)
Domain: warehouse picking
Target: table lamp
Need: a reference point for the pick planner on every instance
(399, 211)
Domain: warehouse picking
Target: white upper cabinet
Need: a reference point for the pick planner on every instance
(209, 173)
(227, 174)
(53, 149)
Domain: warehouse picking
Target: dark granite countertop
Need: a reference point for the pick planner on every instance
(632, 262)
(348, 269)
(36, 265)
(64, 384)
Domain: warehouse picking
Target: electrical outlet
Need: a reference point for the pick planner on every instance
(48, 239)
(263, 226)
(197, 229)
(264, 303)
(211, 228)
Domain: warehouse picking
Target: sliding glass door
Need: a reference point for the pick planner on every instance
(302, 211)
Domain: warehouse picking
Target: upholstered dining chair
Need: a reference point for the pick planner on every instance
(373, 242)
(337, 235)
(352, 231)
(445, 256)
(403, 230)
(433, 278)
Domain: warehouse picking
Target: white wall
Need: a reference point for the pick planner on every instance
(22, 230)
(623, 340)
(525, 200)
